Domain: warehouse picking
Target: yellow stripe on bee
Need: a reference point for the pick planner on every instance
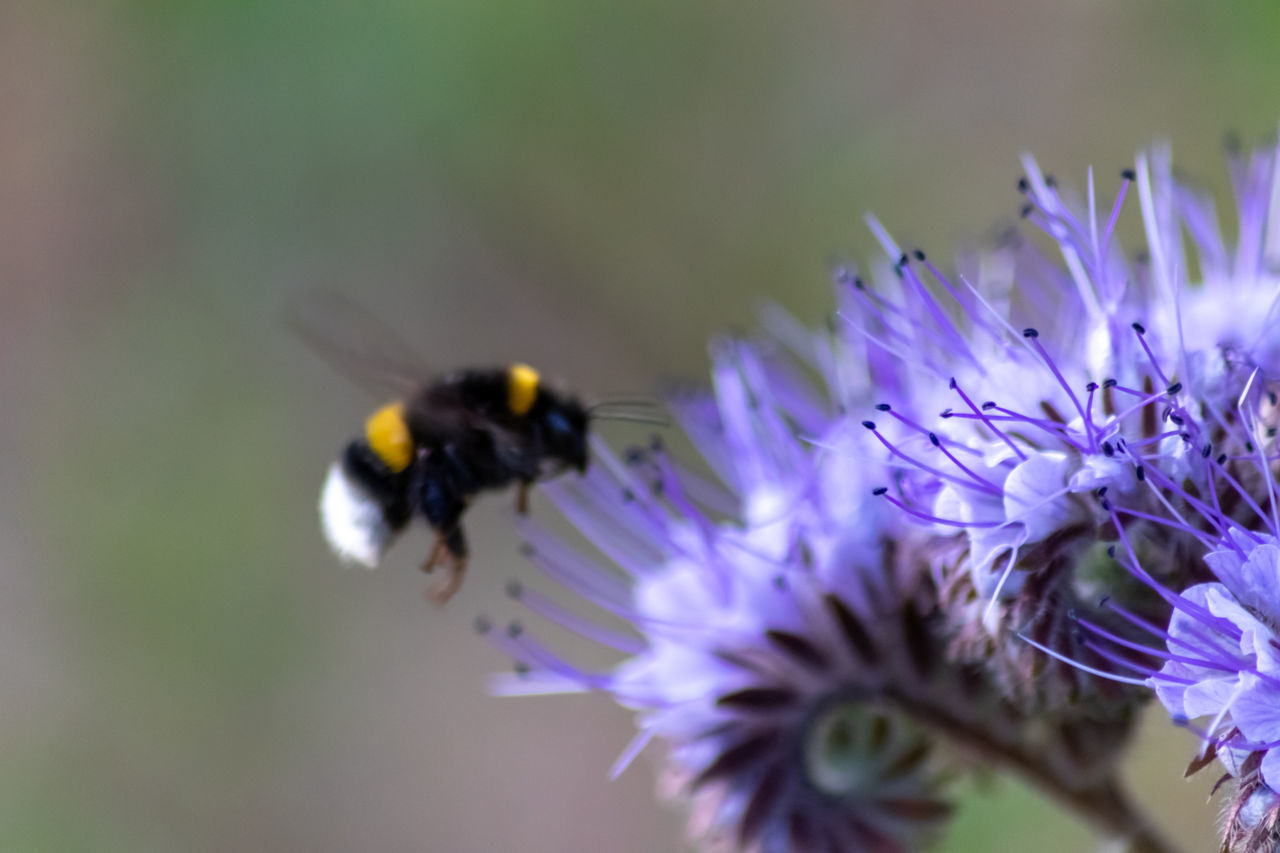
(522, 388)
(388, 437)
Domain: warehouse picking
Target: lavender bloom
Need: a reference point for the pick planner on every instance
(1048, 426)
(1020, 458)
(1218, 660)
(775, 648)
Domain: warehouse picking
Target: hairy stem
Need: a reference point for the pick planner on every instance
(1104, 805)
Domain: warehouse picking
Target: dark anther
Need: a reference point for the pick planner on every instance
(1111, 551)
(989, 405)
(869, 424)
(1129, 174)
(1222, 459)
(880, 490)
(1206, 450)
(857, 282)
(1107, 449)
(1110, 383)
(1104, 601)
(1174, 388)
(655, 444)
(634, 456)
(482, 625)
(1248, 446)
(628, 496)
(945, 413)
(1177, 419)
(1271, 395)
(527, 550)
(1102, 490)
(933, 439)
(1142, 473)
(515, 629)
(1091, 387)
(952, 383)
(1030, 333)
(520, 668)
(903, 260)
(515, 589)
(1106, 505)
(1023, 185)
(883, 407)
(1139, 328)
(1025, 211)
(1050, 181)
(919, 254)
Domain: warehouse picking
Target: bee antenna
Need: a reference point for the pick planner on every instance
(630, 417)
(624, 402)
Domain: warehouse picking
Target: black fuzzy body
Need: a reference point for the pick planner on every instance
(467, 440)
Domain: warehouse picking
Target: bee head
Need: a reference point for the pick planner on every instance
(563, 424)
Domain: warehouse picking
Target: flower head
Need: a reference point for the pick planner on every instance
(1216, 666)
(1214, 663)
(779, 612)
(1072, 386)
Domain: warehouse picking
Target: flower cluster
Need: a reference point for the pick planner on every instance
(989, 510)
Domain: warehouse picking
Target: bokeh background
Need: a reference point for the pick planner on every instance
(594, 187)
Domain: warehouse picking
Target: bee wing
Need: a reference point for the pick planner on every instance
(355, 343)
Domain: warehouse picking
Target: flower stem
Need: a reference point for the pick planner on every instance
(1105, 805)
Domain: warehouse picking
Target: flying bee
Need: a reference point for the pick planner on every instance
(438, 445)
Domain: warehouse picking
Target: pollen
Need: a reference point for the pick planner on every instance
(522, 388)
(389, 438)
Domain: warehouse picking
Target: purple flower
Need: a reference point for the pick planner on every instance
(1224, 651)
(1216, 665)
(780, 618)
(1072, 387)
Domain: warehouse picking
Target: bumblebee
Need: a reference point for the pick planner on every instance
(432, 452)
(440, 443)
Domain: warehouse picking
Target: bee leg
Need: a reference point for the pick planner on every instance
(455, 545)
(439, 551)
(522, 498)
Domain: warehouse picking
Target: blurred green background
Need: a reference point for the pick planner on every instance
(596, 188)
